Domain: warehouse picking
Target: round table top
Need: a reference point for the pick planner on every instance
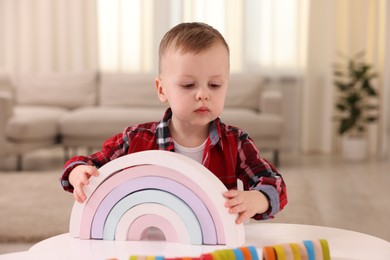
(343, 244)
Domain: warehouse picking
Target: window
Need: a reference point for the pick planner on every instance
(125, 35)
(267, 35)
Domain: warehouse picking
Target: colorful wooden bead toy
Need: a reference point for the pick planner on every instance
(305, 250)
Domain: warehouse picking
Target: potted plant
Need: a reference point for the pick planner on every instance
(356, 103)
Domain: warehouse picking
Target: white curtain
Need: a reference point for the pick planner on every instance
(47, 36)
(264, 36)
(126, 35)
(348, 26)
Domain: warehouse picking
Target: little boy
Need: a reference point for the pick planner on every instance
(193, 80)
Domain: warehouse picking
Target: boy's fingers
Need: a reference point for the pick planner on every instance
(239, 208)
(243, 216)
(230, 194)
(77, 197)
(92, 171)
(78, 190)
(233, 199)
(84, 181)
(81, 196)
(232, 203)
(240, 218)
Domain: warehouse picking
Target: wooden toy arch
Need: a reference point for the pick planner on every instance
(192, 193)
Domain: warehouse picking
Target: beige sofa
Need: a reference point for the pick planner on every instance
(31, 107)
(84, 109)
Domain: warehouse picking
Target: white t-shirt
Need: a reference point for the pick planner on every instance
(195, 153)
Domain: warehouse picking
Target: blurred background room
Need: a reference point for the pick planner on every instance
(72, 73)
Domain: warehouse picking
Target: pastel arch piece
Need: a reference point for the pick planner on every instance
(149, 182)
(122, 230)
(142, 223)
(153, 196)
(185, 188)
(228, 232)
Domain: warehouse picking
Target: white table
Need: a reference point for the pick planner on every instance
(344, 244)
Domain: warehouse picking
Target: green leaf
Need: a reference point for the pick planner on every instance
(353, 98)
(366, 86)
(345, 125)
(343, 86)
(341, 106)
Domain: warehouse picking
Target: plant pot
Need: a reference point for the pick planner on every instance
(354, 148)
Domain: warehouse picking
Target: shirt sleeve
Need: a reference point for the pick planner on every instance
(111, 149)
(258, 174)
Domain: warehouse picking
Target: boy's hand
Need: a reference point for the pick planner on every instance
(79, 177)
(246, 203)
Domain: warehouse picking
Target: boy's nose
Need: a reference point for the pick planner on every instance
(202, 94)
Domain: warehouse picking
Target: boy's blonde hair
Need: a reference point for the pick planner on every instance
(190, 37)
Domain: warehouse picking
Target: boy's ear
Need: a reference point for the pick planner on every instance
(160, 90)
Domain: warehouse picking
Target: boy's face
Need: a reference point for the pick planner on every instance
(194, 85)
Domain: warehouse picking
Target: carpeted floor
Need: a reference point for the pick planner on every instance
(33, 206)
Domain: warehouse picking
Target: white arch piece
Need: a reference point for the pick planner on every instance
(232, 233)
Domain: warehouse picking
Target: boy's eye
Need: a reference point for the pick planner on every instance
(189, 85)
(213, 85)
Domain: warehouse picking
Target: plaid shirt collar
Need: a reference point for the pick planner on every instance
(165, 140)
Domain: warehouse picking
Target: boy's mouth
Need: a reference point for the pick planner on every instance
(202, 110)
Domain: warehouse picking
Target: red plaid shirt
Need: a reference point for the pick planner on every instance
(229, 153)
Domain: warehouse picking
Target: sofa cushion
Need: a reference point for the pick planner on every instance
(33, 122)
(64, 90)
(244, 91)
(257, 125)
(105, 121)
(128, 90)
